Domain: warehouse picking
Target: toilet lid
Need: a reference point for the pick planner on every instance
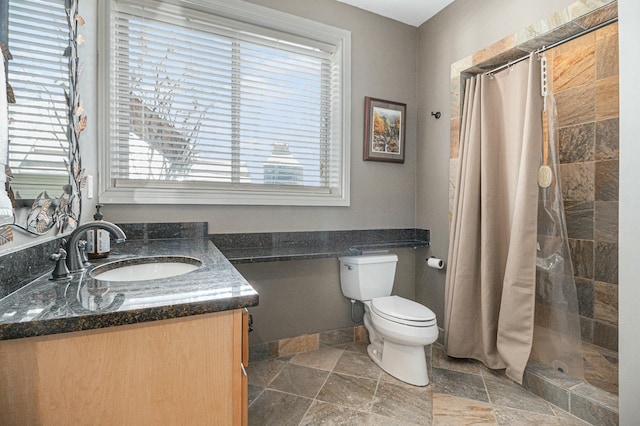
(399, 309)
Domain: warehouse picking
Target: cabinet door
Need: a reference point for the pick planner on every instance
(179, 371)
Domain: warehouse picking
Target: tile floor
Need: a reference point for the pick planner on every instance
(340, 385)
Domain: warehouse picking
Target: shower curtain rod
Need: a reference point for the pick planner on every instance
(551, 46)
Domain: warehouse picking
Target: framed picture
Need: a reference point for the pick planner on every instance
(384, 130)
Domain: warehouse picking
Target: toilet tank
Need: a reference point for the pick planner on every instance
(367, 276)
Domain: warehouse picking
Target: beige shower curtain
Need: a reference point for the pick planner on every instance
(490, 287)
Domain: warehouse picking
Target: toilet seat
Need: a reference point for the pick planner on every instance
(403, 311)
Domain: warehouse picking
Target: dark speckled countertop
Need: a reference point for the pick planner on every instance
(285, 246)
(48, 307)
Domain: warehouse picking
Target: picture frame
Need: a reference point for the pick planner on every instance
(384, 130)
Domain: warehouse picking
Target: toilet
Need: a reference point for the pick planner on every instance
(399, 328)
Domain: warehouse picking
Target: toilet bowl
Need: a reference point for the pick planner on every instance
(399, 329)
(397, 343)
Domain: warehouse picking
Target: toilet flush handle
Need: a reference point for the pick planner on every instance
(349, 267)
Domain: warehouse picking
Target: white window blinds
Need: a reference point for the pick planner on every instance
(39, 75)
(200, 101)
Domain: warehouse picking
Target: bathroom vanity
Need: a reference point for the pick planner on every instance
(162, 351)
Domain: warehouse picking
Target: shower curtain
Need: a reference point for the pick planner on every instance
(491, 283)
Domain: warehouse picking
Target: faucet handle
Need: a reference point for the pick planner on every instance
(60, 272)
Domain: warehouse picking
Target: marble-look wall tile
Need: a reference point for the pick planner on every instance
(577, 181)
(494, 50)
(605, 335)
(461, 65)
(454, 149)
(577, 143)
(605, 307)
(549, 33)
(584, 408)
(585, 291)
(607, 98)
(581, 257)
(574, 63)
(542, 27)
(606, 262)
(594, 405)
(337, 337)
(606, 218)
(456, 97)
(596, 395)
(607, 51)
(607, 139)
(361, 334)
(294, 345)
(606, 10)
(259, 352)
(586, 329)
(454, 169)
(579, 217)
(576, 105)
(607, 180)
(545, 389)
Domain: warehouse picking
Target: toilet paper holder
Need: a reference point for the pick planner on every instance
(434, 262)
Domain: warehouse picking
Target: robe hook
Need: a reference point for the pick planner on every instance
(437, 114)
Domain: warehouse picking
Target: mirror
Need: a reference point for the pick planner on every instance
(45, 117)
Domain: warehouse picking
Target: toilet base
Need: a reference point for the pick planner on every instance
(405, 363)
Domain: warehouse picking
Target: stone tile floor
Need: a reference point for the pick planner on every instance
(340, 385)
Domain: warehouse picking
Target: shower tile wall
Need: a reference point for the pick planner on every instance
(584, 76)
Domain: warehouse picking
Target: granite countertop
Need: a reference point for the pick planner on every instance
(284, 246)
(48, 307)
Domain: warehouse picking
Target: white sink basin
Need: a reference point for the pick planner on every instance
(145, 268)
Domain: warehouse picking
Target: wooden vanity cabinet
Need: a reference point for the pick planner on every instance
(185, 371)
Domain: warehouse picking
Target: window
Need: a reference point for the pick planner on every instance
(38, 37)
(209, 103)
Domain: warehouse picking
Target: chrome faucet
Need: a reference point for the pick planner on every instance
(74, 254)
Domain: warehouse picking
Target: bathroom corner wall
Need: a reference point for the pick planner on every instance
(584, 78)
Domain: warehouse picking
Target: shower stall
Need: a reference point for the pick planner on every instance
(575, 326)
